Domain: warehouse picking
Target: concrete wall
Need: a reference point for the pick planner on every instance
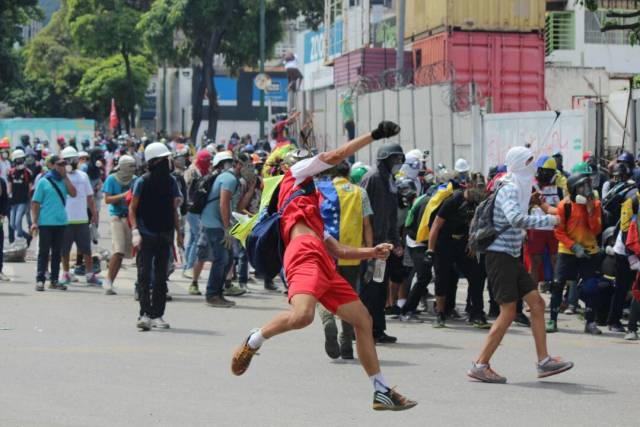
(567, 87)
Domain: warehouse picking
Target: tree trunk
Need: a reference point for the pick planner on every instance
(132, 93)
(196, 101)
(212, 96)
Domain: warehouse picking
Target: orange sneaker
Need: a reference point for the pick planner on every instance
(391, 400)
(242, 358)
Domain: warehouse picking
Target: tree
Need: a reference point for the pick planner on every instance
(109, 78)
(13, 13)
(107, 27)
(617, 20)
(202, 29)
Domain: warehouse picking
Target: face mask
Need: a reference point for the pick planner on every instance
(20, 166)
(5, 156)
(68, 168)
(30, 160)
(180, 162)
(581, 200)
(248, 172)
(395, 168)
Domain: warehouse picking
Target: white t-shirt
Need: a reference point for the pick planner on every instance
(77, 206)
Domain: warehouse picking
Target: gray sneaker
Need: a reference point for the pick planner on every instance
(592, 329)
(631, 336)
(485, 374)
(159, 323)
(40, 286)
(144, 323)
(219, 301)
(110, 291)
(553, 366)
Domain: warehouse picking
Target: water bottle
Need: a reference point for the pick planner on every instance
(378, 270)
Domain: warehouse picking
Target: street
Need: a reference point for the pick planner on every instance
(75, 358)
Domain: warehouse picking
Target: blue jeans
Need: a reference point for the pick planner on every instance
(210, 248)
(242, 264)
(194, 233)
(18, 212)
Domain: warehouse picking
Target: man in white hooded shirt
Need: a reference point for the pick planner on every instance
(506, 274)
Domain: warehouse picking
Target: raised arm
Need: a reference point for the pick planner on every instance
(384, 130)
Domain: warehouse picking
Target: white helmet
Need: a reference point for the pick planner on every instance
(69, 153)
(221, 157)
(83, 154)
(18, 154)
(156, 150)
(461, 166)
(415, 153)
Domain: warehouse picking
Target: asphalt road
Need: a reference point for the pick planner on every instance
(75, 358)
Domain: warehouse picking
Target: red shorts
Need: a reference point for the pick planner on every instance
(310, 270)
(538, 240)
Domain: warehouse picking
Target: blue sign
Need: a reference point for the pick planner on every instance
(227, 89)
(47, 129)
(314, 43)
(276, 93)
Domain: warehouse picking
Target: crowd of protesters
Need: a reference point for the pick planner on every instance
(571, 233)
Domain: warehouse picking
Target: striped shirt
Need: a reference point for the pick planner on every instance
(507, 214)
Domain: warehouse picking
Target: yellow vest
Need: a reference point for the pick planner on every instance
(432, 205)
(351, 216)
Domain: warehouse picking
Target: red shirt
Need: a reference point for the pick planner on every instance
(279, 130)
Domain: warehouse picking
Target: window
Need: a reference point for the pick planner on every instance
(593, 21)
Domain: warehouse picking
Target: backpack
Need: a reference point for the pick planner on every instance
(482, 230)
(265, 248)
(200, 197)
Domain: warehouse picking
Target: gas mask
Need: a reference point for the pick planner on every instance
(583, 193)
(546, 176)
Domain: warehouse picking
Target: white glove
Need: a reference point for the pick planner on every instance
(227, 240)
(609, 250)
(136, 238)
(634, 263)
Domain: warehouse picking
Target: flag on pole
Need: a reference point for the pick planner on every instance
(113, 116)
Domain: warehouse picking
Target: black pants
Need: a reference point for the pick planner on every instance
(374, 297)
(1, 247)
(634, 315)
(423, 277)
(50, 244)
(624, 279)
(153, 254)
(451, 258)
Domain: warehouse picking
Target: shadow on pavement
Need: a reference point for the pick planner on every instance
(422, 345)
(11, 294)
(568, 388)
(398, 363)
(187, 331)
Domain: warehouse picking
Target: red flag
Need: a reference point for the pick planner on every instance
(113, 116)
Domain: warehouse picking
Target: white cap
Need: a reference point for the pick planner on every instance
(461, 166)
(221, 157)
(156, 150)
(83, 154)
(69, 153)
(415, 153)
(18, 154)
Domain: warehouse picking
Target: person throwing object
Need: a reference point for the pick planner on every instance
(311, 271)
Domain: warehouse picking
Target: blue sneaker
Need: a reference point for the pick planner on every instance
(80, 270)
(94, 280)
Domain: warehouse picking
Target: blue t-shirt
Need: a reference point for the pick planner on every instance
(137, 191)
(52, 210)
(113, 187)
(211, 214)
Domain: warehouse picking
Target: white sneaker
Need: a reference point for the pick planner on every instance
(72, 277)
(631, 336)
(159, 322)
(4, 277)
(144, 323)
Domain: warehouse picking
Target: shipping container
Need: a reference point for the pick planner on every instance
(507, 68)
(427, 17)
(374, 64)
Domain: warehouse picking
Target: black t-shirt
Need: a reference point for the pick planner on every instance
(20, 180)
(457, 213)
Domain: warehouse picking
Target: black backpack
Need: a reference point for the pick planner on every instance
(199, 198)
(482, 231)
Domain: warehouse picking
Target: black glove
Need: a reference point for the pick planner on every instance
(428, 258)
(385, 129)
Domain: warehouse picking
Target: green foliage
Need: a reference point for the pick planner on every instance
(13, 13)
(618, 20)
(108, 79)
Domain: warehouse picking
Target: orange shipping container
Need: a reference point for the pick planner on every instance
(425, 17)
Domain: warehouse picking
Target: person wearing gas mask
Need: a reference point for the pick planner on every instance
(580, 223)
(77, 230)
(543, 241)
(380, 185)
(115, 190)
(447, 252)
(154, 219)
(620, 175)
(19, 185)
(50, 219)
(599, 176)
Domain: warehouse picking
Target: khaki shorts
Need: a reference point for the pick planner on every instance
(121, 237)
(508, 278)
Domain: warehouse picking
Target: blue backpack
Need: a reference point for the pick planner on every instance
(265, 248)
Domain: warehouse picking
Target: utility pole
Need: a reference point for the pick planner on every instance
(402, 7)
(263, 36)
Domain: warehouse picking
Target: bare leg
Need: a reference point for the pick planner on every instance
(114, 266)
(497, 332)
(65, 263)
(301, 315)
(197, 269)
(403, 289)
(536, 303)
(357, 315)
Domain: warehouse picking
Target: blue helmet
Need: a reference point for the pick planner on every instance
(626, 157)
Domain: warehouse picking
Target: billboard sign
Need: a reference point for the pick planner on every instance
(47, 129)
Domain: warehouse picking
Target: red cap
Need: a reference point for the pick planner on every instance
(586, 155)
